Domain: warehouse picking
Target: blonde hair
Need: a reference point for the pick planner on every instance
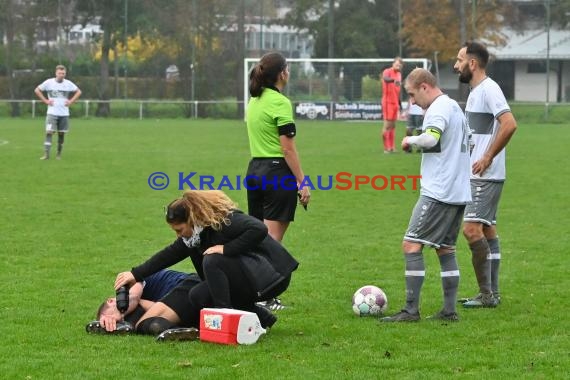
(205, 208)
(419, 76)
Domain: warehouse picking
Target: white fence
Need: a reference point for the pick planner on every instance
(129, 108)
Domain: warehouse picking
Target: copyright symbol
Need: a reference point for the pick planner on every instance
(158, 181)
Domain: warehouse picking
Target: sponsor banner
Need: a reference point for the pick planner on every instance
(357, 111)
(312, 111)
(339, 111)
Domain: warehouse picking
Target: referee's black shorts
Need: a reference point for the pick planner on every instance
(271, 189)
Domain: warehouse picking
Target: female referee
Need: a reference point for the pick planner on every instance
(274, 172)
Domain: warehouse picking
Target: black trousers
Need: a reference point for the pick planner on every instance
(226, 286)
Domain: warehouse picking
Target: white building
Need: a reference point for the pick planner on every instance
(520, 67)
(79, 34)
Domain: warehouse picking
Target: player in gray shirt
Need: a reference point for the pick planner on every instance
(490, 119)
(436, 218)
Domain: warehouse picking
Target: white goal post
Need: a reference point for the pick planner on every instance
(356, 83)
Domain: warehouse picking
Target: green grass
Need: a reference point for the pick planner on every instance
(67, 227)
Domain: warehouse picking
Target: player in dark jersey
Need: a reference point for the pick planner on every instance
(142, 296)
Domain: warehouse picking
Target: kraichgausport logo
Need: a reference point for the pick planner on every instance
(339, 181)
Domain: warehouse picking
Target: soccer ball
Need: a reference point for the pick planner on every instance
(369, 300)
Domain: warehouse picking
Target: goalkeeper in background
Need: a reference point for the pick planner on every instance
(391, 83)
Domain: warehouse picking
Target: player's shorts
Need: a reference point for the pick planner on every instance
(271, 190)
(434, 223)
(177, 300)
(415, 122)
(390, 111)
(57, 124)
(486, 196)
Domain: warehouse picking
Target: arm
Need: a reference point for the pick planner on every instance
(388, 79)
(109, 320)
(426, 140)
(291, 156)
(146, 304)
(165, 258)
(39, 93)
(74, 98)
(135, 294)
(243, 234)
(507, 128)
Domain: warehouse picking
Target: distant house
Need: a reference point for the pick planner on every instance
(290, 41)
(83, 34)
(520, 66)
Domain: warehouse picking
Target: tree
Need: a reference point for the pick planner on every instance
(362, 29)
(111, 17)
(426, 31)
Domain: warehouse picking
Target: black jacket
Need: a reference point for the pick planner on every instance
(243, 235)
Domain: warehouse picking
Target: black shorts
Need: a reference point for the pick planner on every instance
(271, 190)
(177, 300)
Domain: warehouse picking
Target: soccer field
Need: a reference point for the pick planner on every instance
(68, 227)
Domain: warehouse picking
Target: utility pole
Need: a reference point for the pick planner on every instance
(261, 29)
(331, 68)
(547, 5)
(126, 37)
(194, 42)
(474, 19)
(463, 89)
(400, 28)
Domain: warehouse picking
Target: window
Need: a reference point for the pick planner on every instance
(536, 68)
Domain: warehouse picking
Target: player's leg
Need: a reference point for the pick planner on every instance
(164, 322)
(414, 279)
(50, 127)
(480, 252)
(417, 235)
(390, 112)
(62, 129)
(385, 136)
(479, 214)
(173, 310)
(157, 319)
(495, 249)
(448, 264)
(387, 125)
(392, 137)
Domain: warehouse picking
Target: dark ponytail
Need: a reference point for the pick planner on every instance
(266, 72)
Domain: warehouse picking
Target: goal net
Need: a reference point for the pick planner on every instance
(341, 88)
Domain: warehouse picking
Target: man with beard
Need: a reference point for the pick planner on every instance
(492, 125)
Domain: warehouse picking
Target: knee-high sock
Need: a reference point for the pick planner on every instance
(154, 326)
(481, 264)
(392, 137)
(47, 144)
(60, 139)
(415, 273)
(495, 250)
(449, 280)
(386, 139)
